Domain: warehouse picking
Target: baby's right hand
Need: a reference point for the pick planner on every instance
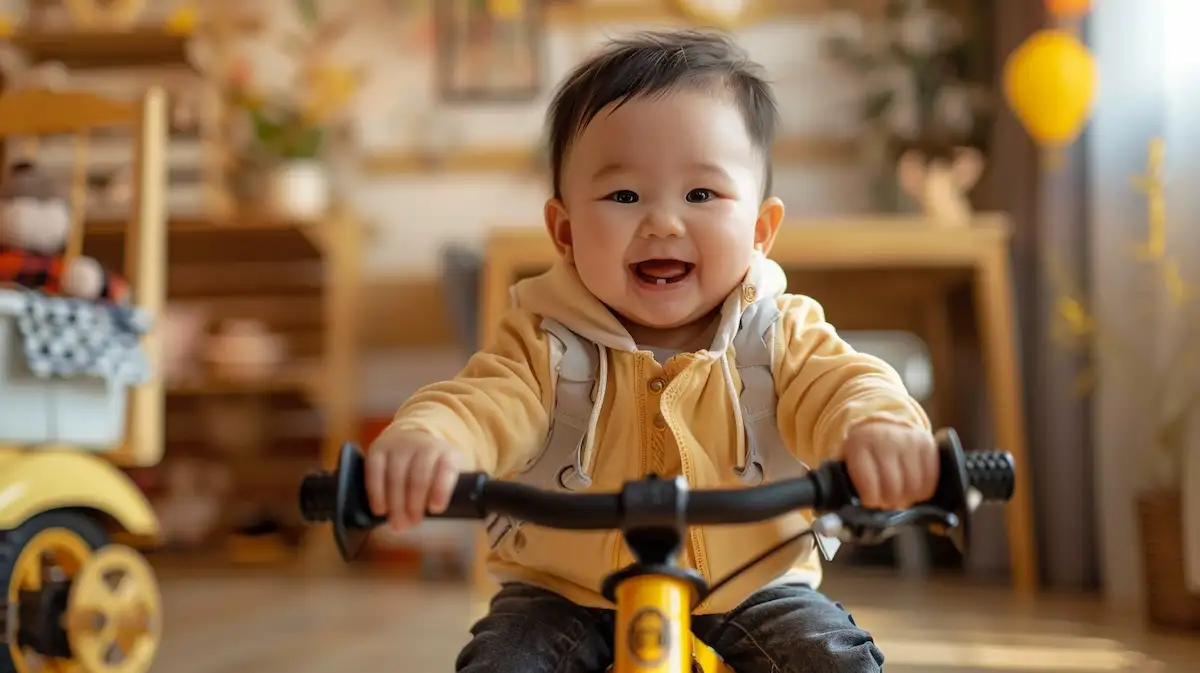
(409, 473)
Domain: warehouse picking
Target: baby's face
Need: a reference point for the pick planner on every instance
(662, 206)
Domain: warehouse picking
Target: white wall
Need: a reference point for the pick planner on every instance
(416, 215)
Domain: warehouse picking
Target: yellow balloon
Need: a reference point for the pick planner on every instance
(1050, 83)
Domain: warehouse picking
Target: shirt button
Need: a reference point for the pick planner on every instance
(657, 384)
(660, 422)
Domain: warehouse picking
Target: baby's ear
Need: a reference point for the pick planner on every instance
(559, 226)
(770, 216)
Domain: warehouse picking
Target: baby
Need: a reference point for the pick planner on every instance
(662, 216)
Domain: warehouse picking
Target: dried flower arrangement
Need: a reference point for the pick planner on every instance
(924, 68)
(286, 80)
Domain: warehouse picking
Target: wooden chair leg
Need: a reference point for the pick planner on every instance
(997, 333)
(938, 335)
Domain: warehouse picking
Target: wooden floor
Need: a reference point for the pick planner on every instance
(297, 623)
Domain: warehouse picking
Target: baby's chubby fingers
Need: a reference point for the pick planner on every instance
(445, 478)
(408, 473)
(398, 468)
(865, 475)
(431, 480)
(928, 465)
(420, 475)
(375, 475)
(891, 466)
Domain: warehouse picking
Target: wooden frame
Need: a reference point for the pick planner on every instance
(38, 112)
(454, 21)
(871, 243)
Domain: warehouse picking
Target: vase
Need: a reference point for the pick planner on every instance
(299, 190)
(1169, 601)
(182, 330)
(246, 351)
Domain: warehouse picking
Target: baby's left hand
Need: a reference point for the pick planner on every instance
(891, 466)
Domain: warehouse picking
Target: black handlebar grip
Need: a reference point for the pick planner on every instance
(318, 497)
(466, 501)
(992, 473)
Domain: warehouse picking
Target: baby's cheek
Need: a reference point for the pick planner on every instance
(726, 258)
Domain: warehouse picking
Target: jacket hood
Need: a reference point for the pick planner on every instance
(559, 294)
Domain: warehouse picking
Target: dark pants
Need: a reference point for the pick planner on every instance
(780, 629)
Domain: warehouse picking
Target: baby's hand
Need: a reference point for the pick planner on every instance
(409, 473)
(891, 466)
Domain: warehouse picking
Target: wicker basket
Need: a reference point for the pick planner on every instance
(1168, 602)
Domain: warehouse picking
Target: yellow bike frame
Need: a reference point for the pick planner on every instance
(654, 599)
(654, 629)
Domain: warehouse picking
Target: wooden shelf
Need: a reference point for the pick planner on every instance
(789, 152)
(661, 12)
(302, 281)
(103, 49)
(300, 378)
(237, 222)
(204, 241)
(511, 160)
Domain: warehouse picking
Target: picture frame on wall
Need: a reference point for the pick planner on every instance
(489, 50)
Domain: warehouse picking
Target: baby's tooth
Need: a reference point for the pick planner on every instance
(662, 281)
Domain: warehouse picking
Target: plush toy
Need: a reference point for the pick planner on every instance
(940, 182)
(35, 222)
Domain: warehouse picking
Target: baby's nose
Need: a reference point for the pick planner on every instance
(662, 224)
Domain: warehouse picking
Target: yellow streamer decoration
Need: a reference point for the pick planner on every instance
(1154, 248)
(1177, 383)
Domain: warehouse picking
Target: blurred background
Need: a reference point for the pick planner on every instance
(352, 186)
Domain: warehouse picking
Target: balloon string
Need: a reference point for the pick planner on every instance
(1070, 23)
(1054, 159)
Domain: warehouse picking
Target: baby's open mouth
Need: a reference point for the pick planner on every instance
(662, 271)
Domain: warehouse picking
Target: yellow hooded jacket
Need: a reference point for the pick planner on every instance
(679, 417)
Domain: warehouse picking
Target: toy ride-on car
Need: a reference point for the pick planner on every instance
(80, 399)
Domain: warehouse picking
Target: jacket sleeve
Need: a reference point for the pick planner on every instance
(825, 388)
(497, 409)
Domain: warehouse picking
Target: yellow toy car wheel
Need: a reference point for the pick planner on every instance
(114, 613)
(38, 560)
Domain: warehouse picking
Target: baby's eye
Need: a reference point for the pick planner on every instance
(623, 196)
(700, 195)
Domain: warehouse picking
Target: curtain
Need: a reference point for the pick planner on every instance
(1150, 63)
(1049, 214)
(1181, 135)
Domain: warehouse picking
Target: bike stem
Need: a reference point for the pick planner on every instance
(654, 597)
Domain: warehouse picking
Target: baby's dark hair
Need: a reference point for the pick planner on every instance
(656, 63)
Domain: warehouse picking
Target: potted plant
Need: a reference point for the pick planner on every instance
(922, 65)
(1168, 384)
(288, 143)
(289, 106)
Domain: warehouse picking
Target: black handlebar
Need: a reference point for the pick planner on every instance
(340, 497)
